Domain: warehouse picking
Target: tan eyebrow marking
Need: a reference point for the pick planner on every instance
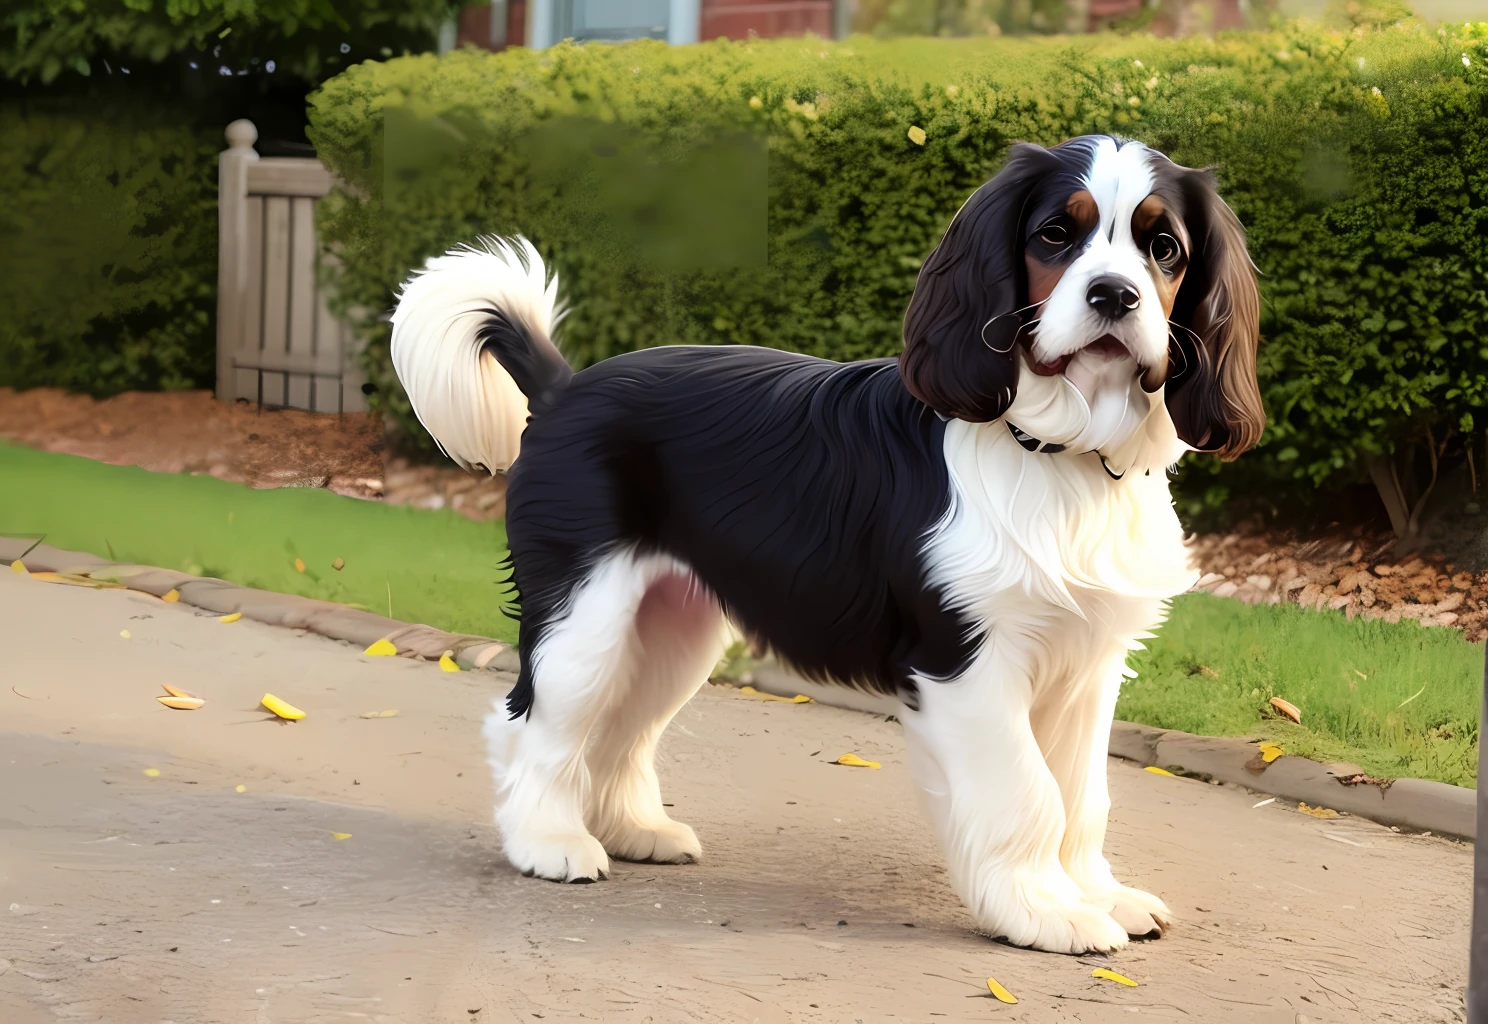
(1147, 213)
(1083, 209)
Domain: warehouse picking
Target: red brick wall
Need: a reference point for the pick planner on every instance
(737, 19)
(732, 19)
(475, 25)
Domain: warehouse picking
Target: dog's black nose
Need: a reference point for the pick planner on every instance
(1112, 296)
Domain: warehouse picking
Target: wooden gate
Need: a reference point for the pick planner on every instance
(277, 342)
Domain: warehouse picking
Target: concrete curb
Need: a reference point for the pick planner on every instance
(1415, 805)
(334, 621)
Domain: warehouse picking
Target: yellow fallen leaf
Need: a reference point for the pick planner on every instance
(1159, 771)
(1002, 994)
(391, 713)
(381, 649)
(1120, 979)
(282, 708)
(854, 761)
(1287, 708)
(1317, 812)
(750, 691)
(339, 564)
(917, 135)
(171, 596)
(152, 772)
(234, 617)
(447, 664)
(299, 565)
(241, 789)
(182, 703)
(1269, 752)
(175, 691)
(18, 567)
(124, 633)
(340, 835)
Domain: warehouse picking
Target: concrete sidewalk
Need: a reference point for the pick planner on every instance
(126, 897)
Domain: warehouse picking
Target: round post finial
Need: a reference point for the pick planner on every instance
(241, 134)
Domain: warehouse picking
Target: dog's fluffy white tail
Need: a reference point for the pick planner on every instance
(473, 348)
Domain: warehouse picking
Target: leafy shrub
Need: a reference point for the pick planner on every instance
(106, 280)
(307, 39)
(1358, 161)
(112, 112)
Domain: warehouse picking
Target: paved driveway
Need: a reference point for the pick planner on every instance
(131, 898)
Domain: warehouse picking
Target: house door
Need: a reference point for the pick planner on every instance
(613, 20)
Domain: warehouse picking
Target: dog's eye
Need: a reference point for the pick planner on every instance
(1054, 234)
(1165, 249)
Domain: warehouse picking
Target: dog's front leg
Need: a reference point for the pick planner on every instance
(1073, 725)
(998, 810)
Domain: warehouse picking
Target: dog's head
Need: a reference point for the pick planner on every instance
(1096, 260)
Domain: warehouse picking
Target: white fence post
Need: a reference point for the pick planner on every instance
(232, 248)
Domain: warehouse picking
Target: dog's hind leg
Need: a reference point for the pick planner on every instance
(576, 657)
(678, 637)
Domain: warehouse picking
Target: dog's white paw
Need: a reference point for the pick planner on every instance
(1140, 913)
(668, 843)
(1047, 918)
(567, 857)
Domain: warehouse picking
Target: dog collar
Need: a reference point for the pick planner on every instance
(1032, 444)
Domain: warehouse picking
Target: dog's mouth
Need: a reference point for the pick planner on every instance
(1107, 346)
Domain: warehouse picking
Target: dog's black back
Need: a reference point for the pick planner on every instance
(798, 489)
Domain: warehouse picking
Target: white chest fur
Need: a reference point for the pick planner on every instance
(1051, 530)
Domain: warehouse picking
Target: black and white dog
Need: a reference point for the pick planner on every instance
(981, 528)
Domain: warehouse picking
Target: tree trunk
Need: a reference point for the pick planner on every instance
(1387, 483)
(1394, 477)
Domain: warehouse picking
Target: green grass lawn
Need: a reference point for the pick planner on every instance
(1399, 700)
(432, 567)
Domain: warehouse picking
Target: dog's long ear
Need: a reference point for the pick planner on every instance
(1212, 394)
(975, 273)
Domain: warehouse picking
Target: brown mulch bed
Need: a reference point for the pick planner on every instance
(475, 496)
(189, 431)
(1355, 575)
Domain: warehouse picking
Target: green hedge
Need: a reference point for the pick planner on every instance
(42, 40)
(103, 286)
(1359, 163)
